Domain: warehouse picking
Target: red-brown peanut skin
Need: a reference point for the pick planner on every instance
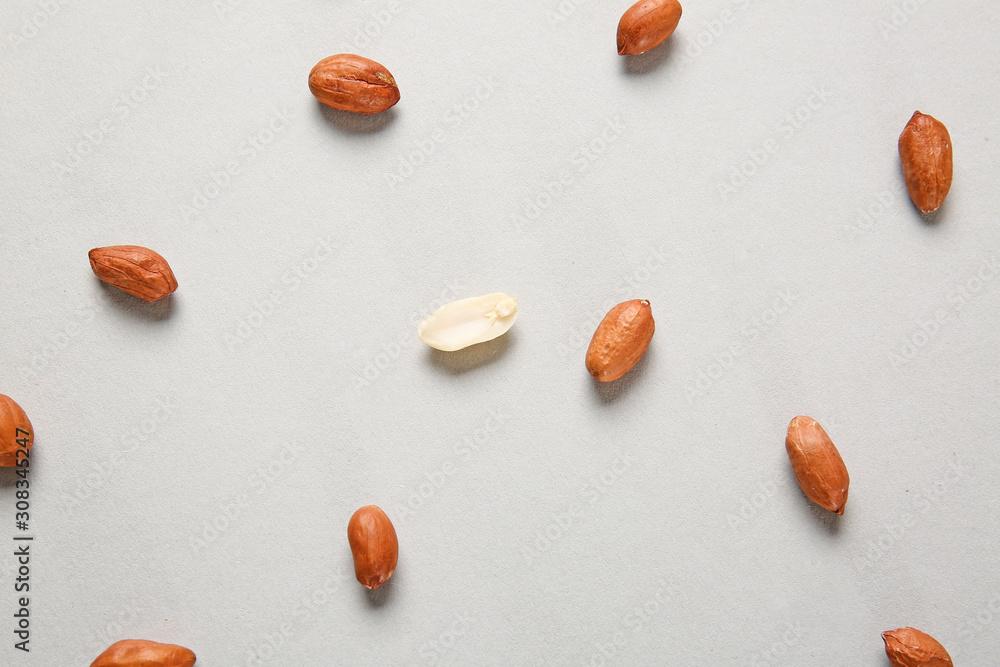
(131, 268)
(353, 83)
(926, 155)
(817, 464)
(12, 417)
(647, 24)
(143, 653)
(909, 647)
(620, 340)
(373, 545)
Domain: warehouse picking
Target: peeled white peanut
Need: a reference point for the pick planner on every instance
(468, 321)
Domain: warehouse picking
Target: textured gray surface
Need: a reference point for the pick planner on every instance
(196, 464)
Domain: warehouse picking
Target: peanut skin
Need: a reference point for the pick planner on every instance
(131, 268)
(143, 653)
(817, 465)
(926, 156)
(373, 545)
(909, 647)
(647, 24)
(620, 340)
(12, 418)
(353, 83)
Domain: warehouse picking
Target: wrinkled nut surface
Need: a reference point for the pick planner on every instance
(466, 322)
(373, 545)
(143, 653)
(925, 151)
(817, 464)
(620, 340)
(15, 431)
(908, 647)
(134, 269)
(647, 24)
(353, 83)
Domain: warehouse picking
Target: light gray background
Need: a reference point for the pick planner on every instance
(196, 462)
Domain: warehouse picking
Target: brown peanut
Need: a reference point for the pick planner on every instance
(926, 156)
(353, 83)
(15, 431)
(647, 24)
(134, 269)
(817, 464)
(620, 340)
(143, 653)
(909, 647)
(373, 545)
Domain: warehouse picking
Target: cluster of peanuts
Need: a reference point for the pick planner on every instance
(353, 83)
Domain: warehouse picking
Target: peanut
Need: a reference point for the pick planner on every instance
(925, 152)
(373, 545)
(134, 269)
(15, 431)
(353, 83)
(466, 322)
(647, 24)
(817, 464)
(620, 340)
(143, 653)
(909, 647)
